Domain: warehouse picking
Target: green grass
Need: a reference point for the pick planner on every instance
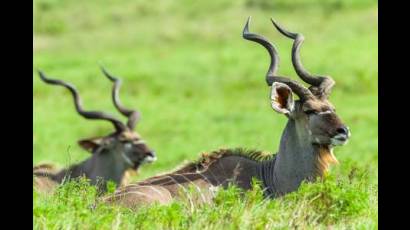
(338, 202)
(199, 87)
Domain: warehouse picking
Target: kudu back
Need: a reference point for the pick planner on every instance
(113, 157)
(305, 151)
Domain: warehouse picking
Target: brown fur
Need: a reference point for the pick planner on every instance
(325, 158)
(317, 105)
(44, 170)
(47, 177)
(45, 166)
(218, 168)
(209, 158)
(44, 184)
(128, 175)
(129, 135)
(42, 180)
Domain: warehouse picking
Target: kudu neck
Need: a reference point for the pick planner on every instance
(101, 165)
(296, 160)
(108, 165)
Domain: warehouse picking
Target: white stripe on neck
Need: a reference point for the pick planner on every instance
(127, 159)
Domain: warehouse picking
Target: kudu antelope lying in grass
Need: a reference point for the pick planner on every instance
(305, 151)
(113, 155)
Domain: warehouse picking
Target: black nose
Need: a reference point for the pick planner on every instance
(151, 154)
(343, 130)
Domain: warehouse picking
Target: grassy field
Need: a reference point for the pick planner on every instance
(200, 87)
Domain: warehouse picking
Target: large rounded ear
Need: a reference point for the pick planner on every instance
(282, 98)
(90, 144)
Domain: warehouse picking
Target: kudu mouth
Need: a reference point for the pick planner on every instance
(342, 136)
(151, 157)
(148, 159)
(340, 139)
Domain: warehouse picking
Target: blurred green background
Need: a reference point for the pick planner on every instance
(198, 84)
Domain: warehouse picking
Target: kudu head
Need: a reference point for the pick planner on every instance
(124, 146)
(314, 116)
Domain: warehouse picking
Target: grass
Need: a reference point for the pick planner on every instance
(199, 87)
(336, 202)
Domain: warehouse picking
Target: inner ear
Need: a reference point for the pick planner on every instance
(91, 144)
(282, 98)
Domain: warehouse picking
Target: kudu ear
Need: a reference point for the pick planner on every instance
(282, 98)
(90, 144)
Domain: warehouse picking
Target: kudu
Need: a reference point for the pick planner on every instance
(113, 155)
(305, 151)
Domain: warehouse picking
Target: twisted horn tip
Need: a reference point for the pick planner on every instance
(43, 77)
(40, 73)
(107, 74)
(246, 27)
(283, 30)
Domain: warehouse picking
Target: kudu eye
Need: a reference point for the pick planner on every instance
(310, 111)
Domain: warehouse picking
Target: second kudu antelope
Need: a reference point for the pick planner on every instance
(112, 156)
(305, 151)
